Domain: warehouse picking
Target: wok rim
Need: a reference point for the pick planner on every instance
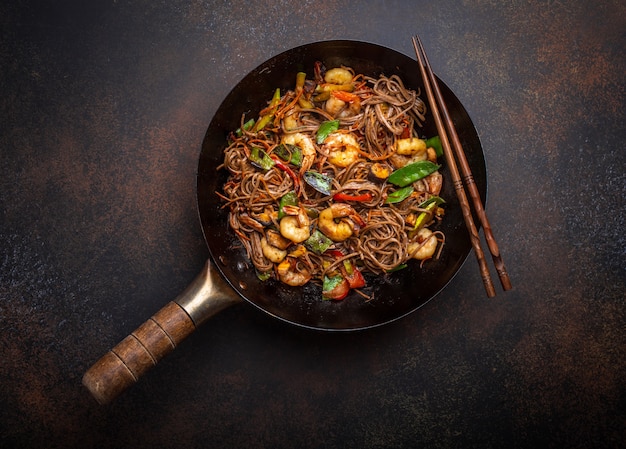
(218, 256)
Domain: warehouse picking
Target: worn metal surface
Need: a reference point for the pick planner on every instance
(103, 110)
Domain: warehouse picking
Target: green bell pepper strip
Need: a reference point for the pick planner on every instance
(349, 271)
(325, 129)
(399, 195)
(289, 153)
(288, 199)
(320, 182)
(412, 172)
(266, 118)
(318, 242)
(260, 158)
(435, 142)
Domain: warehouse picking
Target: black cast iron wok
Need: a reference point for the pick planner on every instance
(228, 277)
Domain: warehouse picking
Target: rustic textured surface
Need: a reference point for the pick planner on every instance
(103, 107)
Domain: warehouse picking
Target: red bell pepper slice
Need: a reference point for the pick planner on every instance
(289, 171)
(359, 198)
(350, 273)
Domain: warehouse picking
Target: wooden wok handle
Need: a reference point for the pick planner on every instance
(123, 365)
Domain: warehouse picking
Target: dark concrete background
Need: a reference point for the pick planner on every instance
(103, 108)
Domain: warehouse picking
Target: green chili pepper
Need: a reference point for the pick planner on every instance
(318, 242)
(269, 116)
(289, 153)
(288, 199)
(412, 172)
(435, 142)
(260, 158)
(318, 181)
(399, 195)
(325, 129)
(263, 276)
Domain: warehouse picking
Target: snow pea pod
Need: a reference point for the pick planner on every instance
(325, 129)
(412, 172)
(399, 195)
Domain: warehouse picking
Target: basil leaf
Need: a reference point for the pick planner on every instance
(318, 181)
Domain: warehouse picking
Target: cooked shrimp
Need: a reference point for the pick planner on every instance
(272, 253)
(295, 225)
(338, 75)
(292, 273)
(425, 246)
(434, 181)
(342, 229)
(305, 143)
(342, 148)
(275, 239)
(343, 104)
(431, 155)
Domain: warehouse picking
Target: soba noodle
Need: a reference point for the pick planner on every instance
(295, 231)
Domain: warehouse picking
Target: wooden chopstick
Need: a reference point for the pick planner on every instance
(438, 107)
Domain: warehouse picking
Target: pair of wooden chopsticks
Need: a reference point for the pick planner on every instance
(438, 107)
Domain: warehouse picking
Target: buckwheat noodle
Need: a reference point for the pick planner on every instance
(376, 113)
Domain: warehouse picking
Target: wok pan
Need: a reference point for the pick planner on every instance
(228, 276)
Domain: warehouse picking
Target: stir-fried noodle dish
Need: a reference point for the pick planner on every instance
(332, 182)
